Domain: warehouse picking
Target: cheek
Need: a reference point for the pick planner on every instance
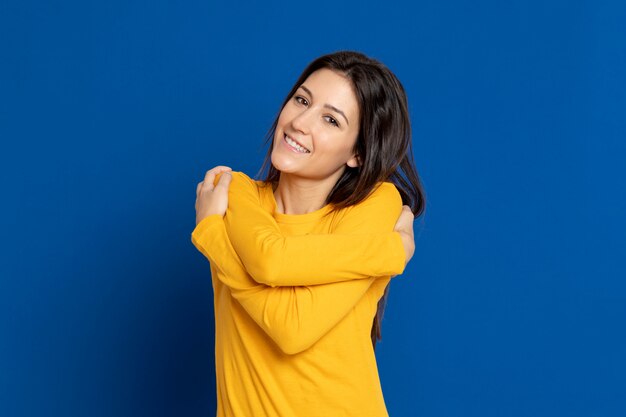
(280, 125)
(286, 114)
(346, 142)
(338, 146)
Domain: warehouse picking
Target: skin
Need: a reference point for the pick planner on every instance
(306, 179)
(313, 118)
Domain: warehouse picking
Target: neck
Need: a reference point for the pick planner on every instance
(297, 195)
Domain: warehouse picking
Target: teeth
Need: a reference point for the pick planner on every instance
(296, 145)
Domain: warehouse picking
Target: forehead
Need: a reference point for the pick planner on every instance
(334, 88)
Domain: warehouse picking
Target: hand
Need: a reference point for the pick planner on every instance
(212, 198)
(404, 226)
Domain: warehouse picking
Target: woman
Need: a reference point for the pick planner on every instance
(300, 262)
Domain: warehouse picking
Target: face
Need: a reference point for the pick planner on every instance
(317, 129)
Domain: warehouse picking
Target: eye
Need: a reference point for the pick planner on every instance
(332, 121)
(301, 100)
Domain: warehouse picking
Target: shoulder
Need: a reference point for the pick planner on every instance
(378, 211)
(241, 177)
(385, 193)
(384, 196)
(242, 182)
(242, 187)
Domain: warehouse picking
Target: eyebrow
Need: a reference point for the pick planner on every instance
(328, 106)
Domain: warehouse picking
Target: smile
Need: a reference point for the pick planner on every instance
(295, 146)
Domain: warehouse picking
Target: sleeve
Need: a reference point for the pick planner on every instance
(362, 245)
(293, 317)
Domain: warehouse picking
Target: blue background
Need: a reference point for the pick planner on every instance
(111, 111)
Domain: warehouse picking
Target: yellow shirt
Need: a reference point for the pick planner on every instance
(295, 297)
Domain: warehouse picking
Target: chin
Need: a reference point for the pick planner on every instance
(280, 164)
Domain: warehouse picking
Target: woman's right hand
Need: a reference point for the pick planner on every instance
(212, 198)
(404, 226)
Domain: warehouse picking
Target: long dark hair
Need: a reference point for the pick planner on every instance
(383, 144)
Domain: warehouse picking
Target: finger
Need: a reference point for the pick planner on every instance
(209, 178)
(406, 211)
(405, 220)
(198, 188)
(221, 168)
(224, 181)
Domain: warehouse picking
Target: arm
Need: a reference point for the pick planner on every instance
(358, 248)
(294, 317)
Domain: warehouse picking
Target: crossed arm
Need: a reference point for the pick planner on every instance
(295, 316)
(356, 249)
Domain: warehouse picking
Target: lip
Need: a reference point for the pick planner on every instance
(291, 148)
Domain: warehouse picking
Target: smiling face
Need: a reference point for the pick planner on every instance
(317, 128)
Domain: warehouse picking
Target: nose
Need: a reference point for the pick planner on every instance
(302, 121)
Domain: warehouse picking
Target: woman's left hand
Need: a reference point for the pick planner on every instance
(213, 198)
(404, 226)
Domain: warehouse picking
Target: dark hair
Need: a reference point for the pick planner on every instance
(383, 143)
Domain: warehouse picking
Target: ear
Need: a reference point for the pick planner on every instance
(354, 162)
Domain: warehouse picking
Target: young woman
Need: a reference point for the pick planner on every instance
(301, 261)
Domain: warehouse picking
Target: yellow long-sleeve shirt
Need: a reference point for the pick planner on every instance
(295, 296)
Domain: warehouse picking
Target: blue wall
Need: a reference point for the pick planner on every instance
(110, 113)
